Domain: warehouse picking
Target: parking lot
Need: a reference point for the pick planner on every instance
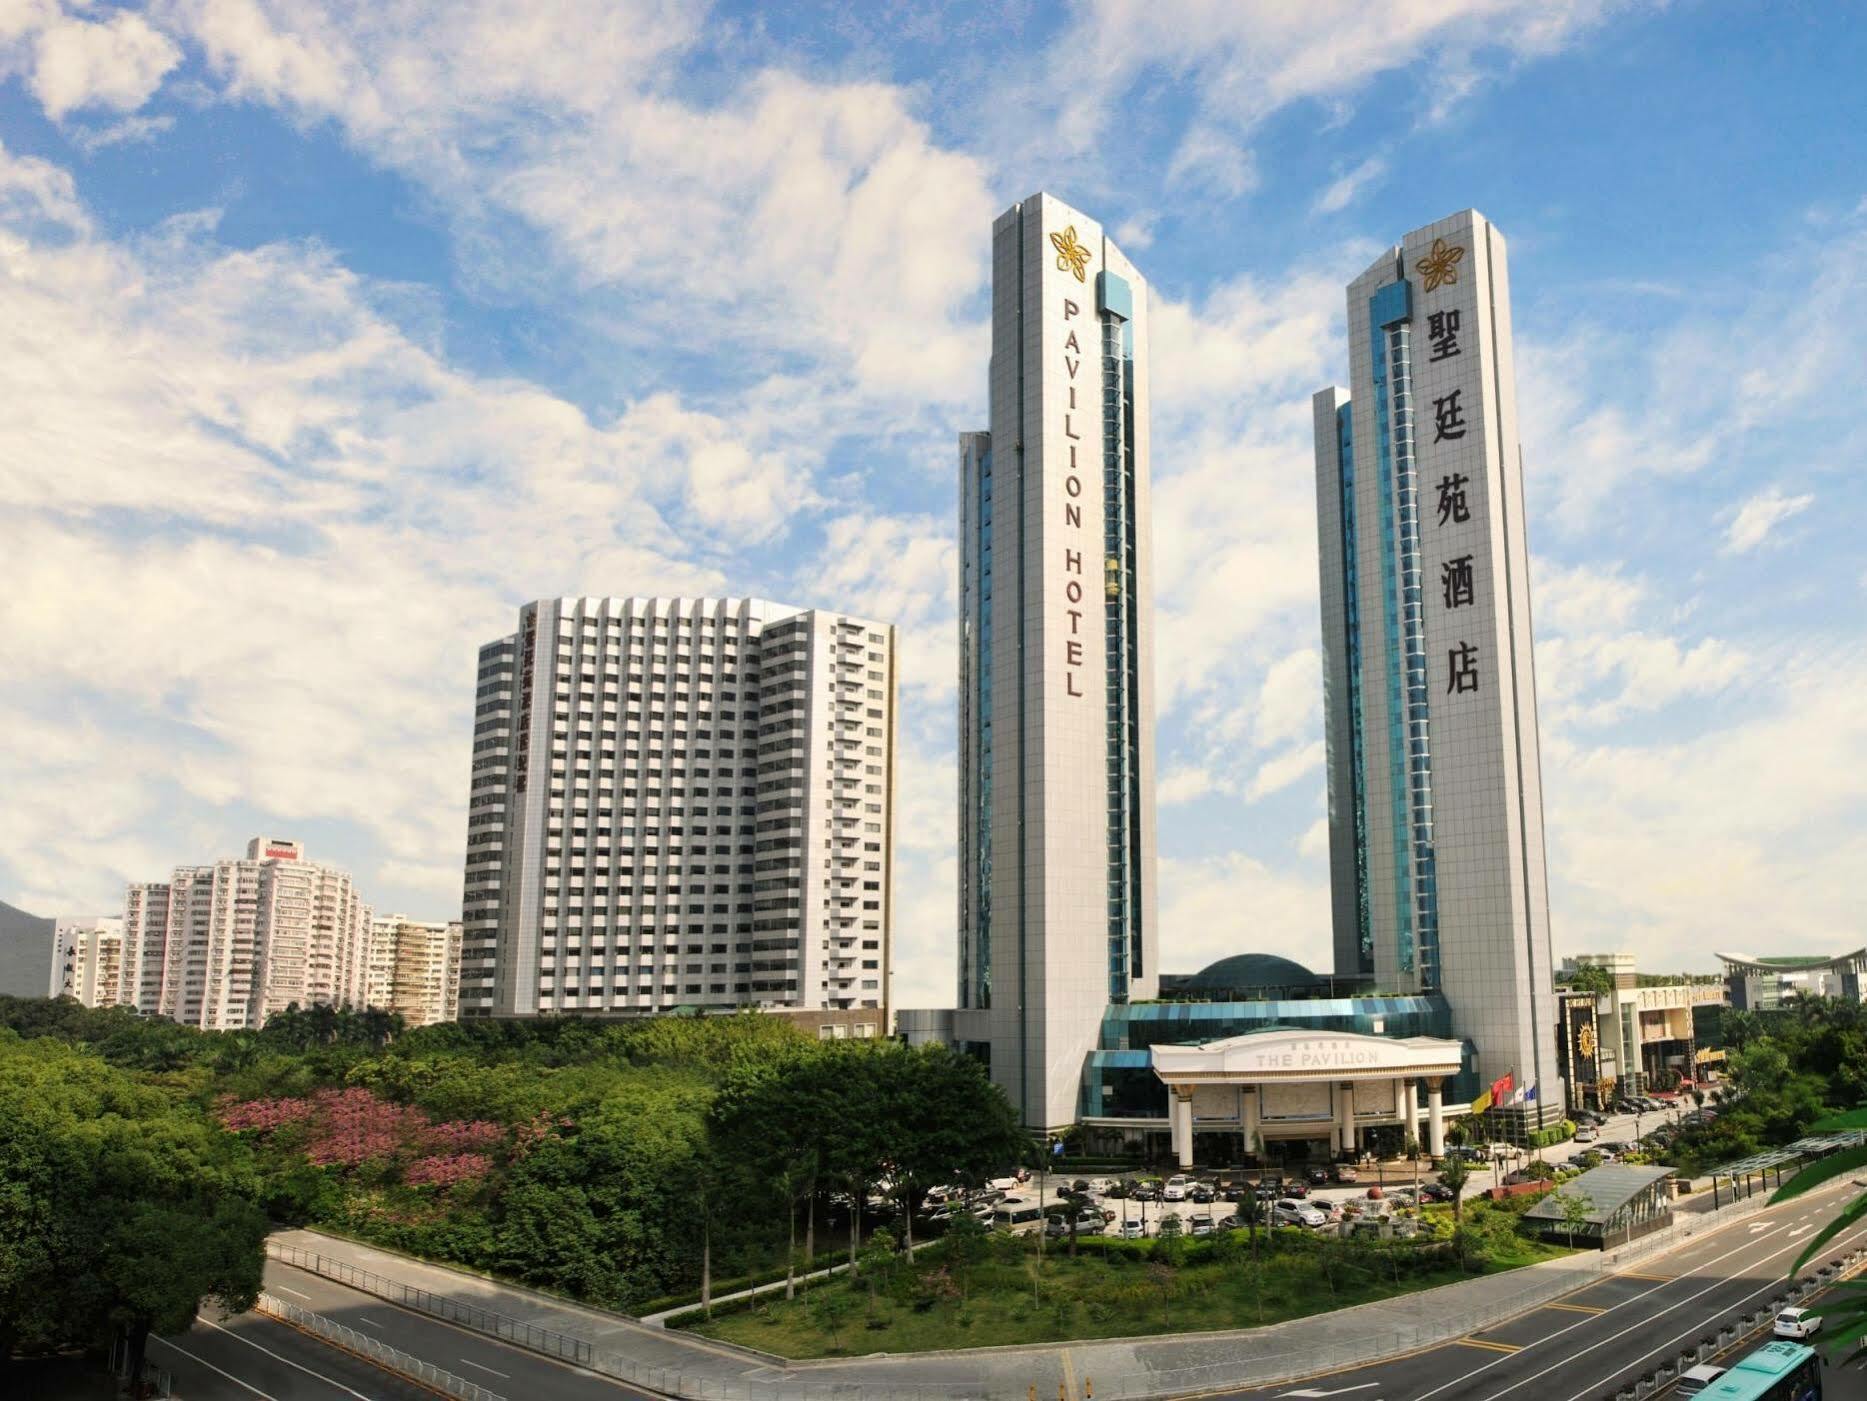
(1137, 1214)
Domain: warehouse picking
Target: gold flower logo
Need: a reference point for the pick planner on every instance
(1071, 255)
(1441, 266)
(1585, 1042)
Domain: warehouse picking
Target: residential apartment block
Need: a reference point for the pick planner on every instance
(87, 960)
(680, 802)
(414, 969)
(225, 945)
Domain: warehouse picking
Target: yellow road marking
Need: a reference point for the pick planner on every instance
(1635, 1274)
(1488, 1346)
(1576, 1308)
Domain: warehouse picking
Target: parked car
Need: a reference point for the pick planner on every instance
(1199, 1192)
(1296, 1187)
(1318, 1176)
(1435, 1192)
(1144, 1192)
(1290, 1212)
(1586, 1134)
(1056, 1228)
(1199, 1224)
(1697, 1379)
(1131, 1230)
(1118, 1189)
(1342, 1172)
(1176, 1189)
(1797, 1324)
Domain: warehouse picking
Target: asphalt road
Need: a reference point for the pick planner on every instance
(237, 1359)
(1590, 1343)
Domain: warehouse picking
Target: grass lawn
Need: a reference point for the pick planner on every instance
(1006, 1295)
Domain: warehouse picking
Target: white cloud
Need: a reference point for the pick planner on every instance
(798, 218)
(1236, 904)
(72, 62)
(1184, 784)
(1342, 191)
(1747, 831)
(1290, 702)
(1760, 515)
(1285, 769)
(1244, 62)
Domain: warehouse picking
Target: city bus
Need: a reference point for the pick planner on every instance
(1774, 1372)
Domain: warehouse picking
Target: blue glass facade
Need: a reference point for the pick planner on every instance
(978, 976)
(1358, 760)
(1410, 768)
(1119, 1081)
(1122, 690)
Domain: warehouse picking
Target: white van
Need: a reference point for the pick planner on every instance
(1176, 1189)
(1697, 1379)
(1013, 1215)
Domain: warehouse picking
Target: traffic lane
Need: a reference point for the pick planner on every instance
(250, 1356)
(1557, 1353)
(496, 1365)
(1641, 1294)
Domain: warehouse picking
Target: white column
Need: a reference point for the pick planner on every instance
(1351, 1140)
(1435, 1118)
(1173, 1121)
(1409, 1111)
(1183, 1117)
(1250, 1117)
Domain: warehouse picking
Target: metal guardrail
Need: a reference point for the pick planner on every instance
(1241, 1369)
(498, 1325)
(375, 1350)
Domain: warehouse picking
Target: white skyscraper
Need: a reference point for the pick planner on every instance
(679, 802)
(226, 945)
(1435, 787)
(1056, 890)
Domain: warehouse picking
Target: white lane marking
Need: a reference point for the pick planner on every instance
(1677, 1336)
(1800, 1231)
(484, 1368)
(1642, 1323)
(308, 1371)
(1583, 1323)
(1313, 1391)
(285, 1289)
(212, 1368)
(372, 1322)
(1759, 1226)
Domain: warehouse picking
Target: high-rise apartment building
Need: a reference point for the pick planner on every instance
(226, 945)
(680, 802)
(414, 969)
(87, 960)
(1435, 788)
(1056, 724)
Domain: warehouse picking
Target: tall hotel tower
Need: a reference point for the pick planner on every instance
(1435, 788)
(680, 802)
(1056, 885)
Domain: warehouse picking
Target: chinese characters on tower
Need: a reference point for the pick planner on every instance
(1457, 583)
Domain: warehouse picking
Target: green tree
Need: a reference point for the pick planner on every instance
(121, 1209)
(1453, 1176)
(1575, 1208)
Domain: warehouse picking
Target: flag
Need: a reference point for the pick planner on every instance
(1529, 1095)
(1500, 1087)
(1482, 1103)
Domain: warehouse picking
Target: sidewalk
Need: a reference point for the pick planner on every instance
(680, 1364)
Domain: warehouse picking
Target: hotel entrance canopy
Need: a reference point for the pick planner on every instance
(1305, 1084)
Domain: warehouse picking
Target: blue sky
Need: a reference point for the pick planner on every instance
(337, 331)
